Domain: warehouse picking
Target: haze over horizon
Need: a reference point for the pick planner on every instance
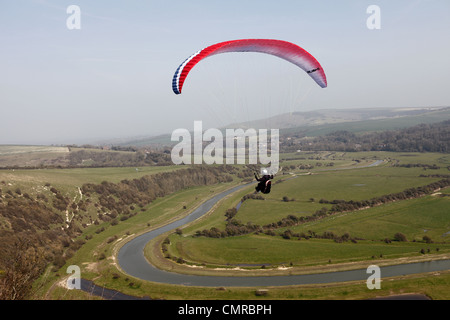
(112, 78)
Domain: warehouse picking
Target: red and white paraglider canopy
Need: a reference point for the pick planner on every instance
(282, 49)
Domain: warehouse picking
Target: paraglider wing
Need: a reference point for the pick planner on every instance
(282, 49)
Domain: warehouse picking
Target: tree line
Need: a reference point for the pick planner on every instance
(131, 158)
(142, 191)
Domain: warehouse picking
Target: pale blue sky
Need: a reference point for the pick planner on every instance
(112, 78)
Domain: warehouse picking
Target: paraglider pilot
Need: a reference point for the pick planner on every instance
(264, 182)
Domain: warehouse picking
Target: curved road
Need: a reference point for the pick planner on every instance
(133, 262)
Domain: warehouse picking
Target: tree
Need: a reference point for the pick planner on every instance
(427, 239)
(230, 213)
(400, 237)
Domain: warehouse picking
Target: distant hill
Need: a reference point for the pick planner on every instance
(321, 122)
(335, 116)
(431, 137)
(409, 119)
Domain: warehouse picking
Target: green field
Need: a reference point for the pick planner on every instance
(29, 156)
(415, 218)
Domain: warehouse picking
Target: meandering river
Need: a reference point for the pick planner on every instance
(133, 262)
